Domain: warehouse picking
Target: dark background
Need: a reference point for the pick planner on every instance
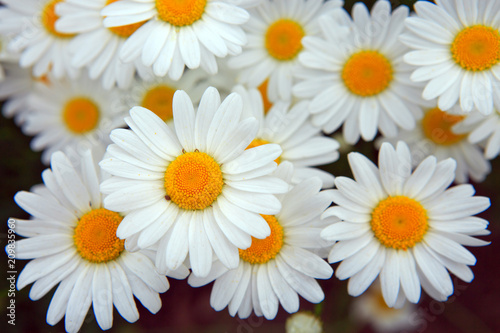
(473, 308)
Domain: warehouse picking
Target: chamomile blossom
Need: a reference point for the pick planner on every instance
(188, 33)
(39, 44)
(195, 190)
(71, 116)
(72, 241)
(406, 227)
(435, 135)
(289, 126)
(95, 46)
(354, 74)
(277, 269)
(480, 128)
(457, 49)
(275, 32)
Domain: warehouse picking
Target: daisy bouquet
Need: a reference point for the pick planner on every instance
(247, 157)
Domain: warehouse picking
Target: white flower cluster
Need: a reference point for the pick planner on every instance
(184, 139)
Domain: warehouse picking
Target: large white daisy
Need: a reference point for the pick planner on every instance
(280, 267)
(178, 33)
(71, 116)
(72, 241)
(275, 32)
(435, 135)
(31, 22)
(355, 76)
(95, 46)
(289, 126)
(196, 190)
(406, 227)
(457, 45)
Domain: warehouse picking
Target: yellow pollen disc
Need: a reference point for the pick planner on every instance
(180, 12)
(159, 100)
(437, 125)
(193, 181)
(263, 250)
(49, 19)
(367, 73)
(260, 142)
(476, 48)
(80, 115)
(399, 222)
(125, 30)
(284, 39)
(95, 236)
(263, 91)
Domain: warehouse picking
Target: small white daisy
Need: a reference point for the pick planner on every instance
(354, 74)
(406, 227)
(31, 22)
(370, 308)
(71, 116)
(196, 190)
(435, 135)
(289, 126)
(277, 269)
(179, 33)
(480, 128)
(72, 241)
(457, 45)
(97, 47)
(275, 32)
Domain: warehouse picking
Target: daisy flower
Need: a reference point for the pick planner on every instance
(72, 241)
(179, 33)
(157, 94)
(71, 116)
(457, 50)
(302, 143)
(196, 190)
(435, 135)
(31, 22)
(95, 46)
(356, 78)
(275, 32)
(406, 227)
(480, 128)
(277, 269)
(370, 308)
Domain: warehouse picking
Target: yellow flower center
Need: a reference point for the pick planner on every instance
(193, 181)
(180, 12)
(159, 100)
(476, 48)
(437, 125)
(284, 39)
(49, 19)
(265, 99)
(263, 250)
(399, 222)
(367, 73)
(80, 115)
(95, 236)
(260, 142)
(125, 30)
